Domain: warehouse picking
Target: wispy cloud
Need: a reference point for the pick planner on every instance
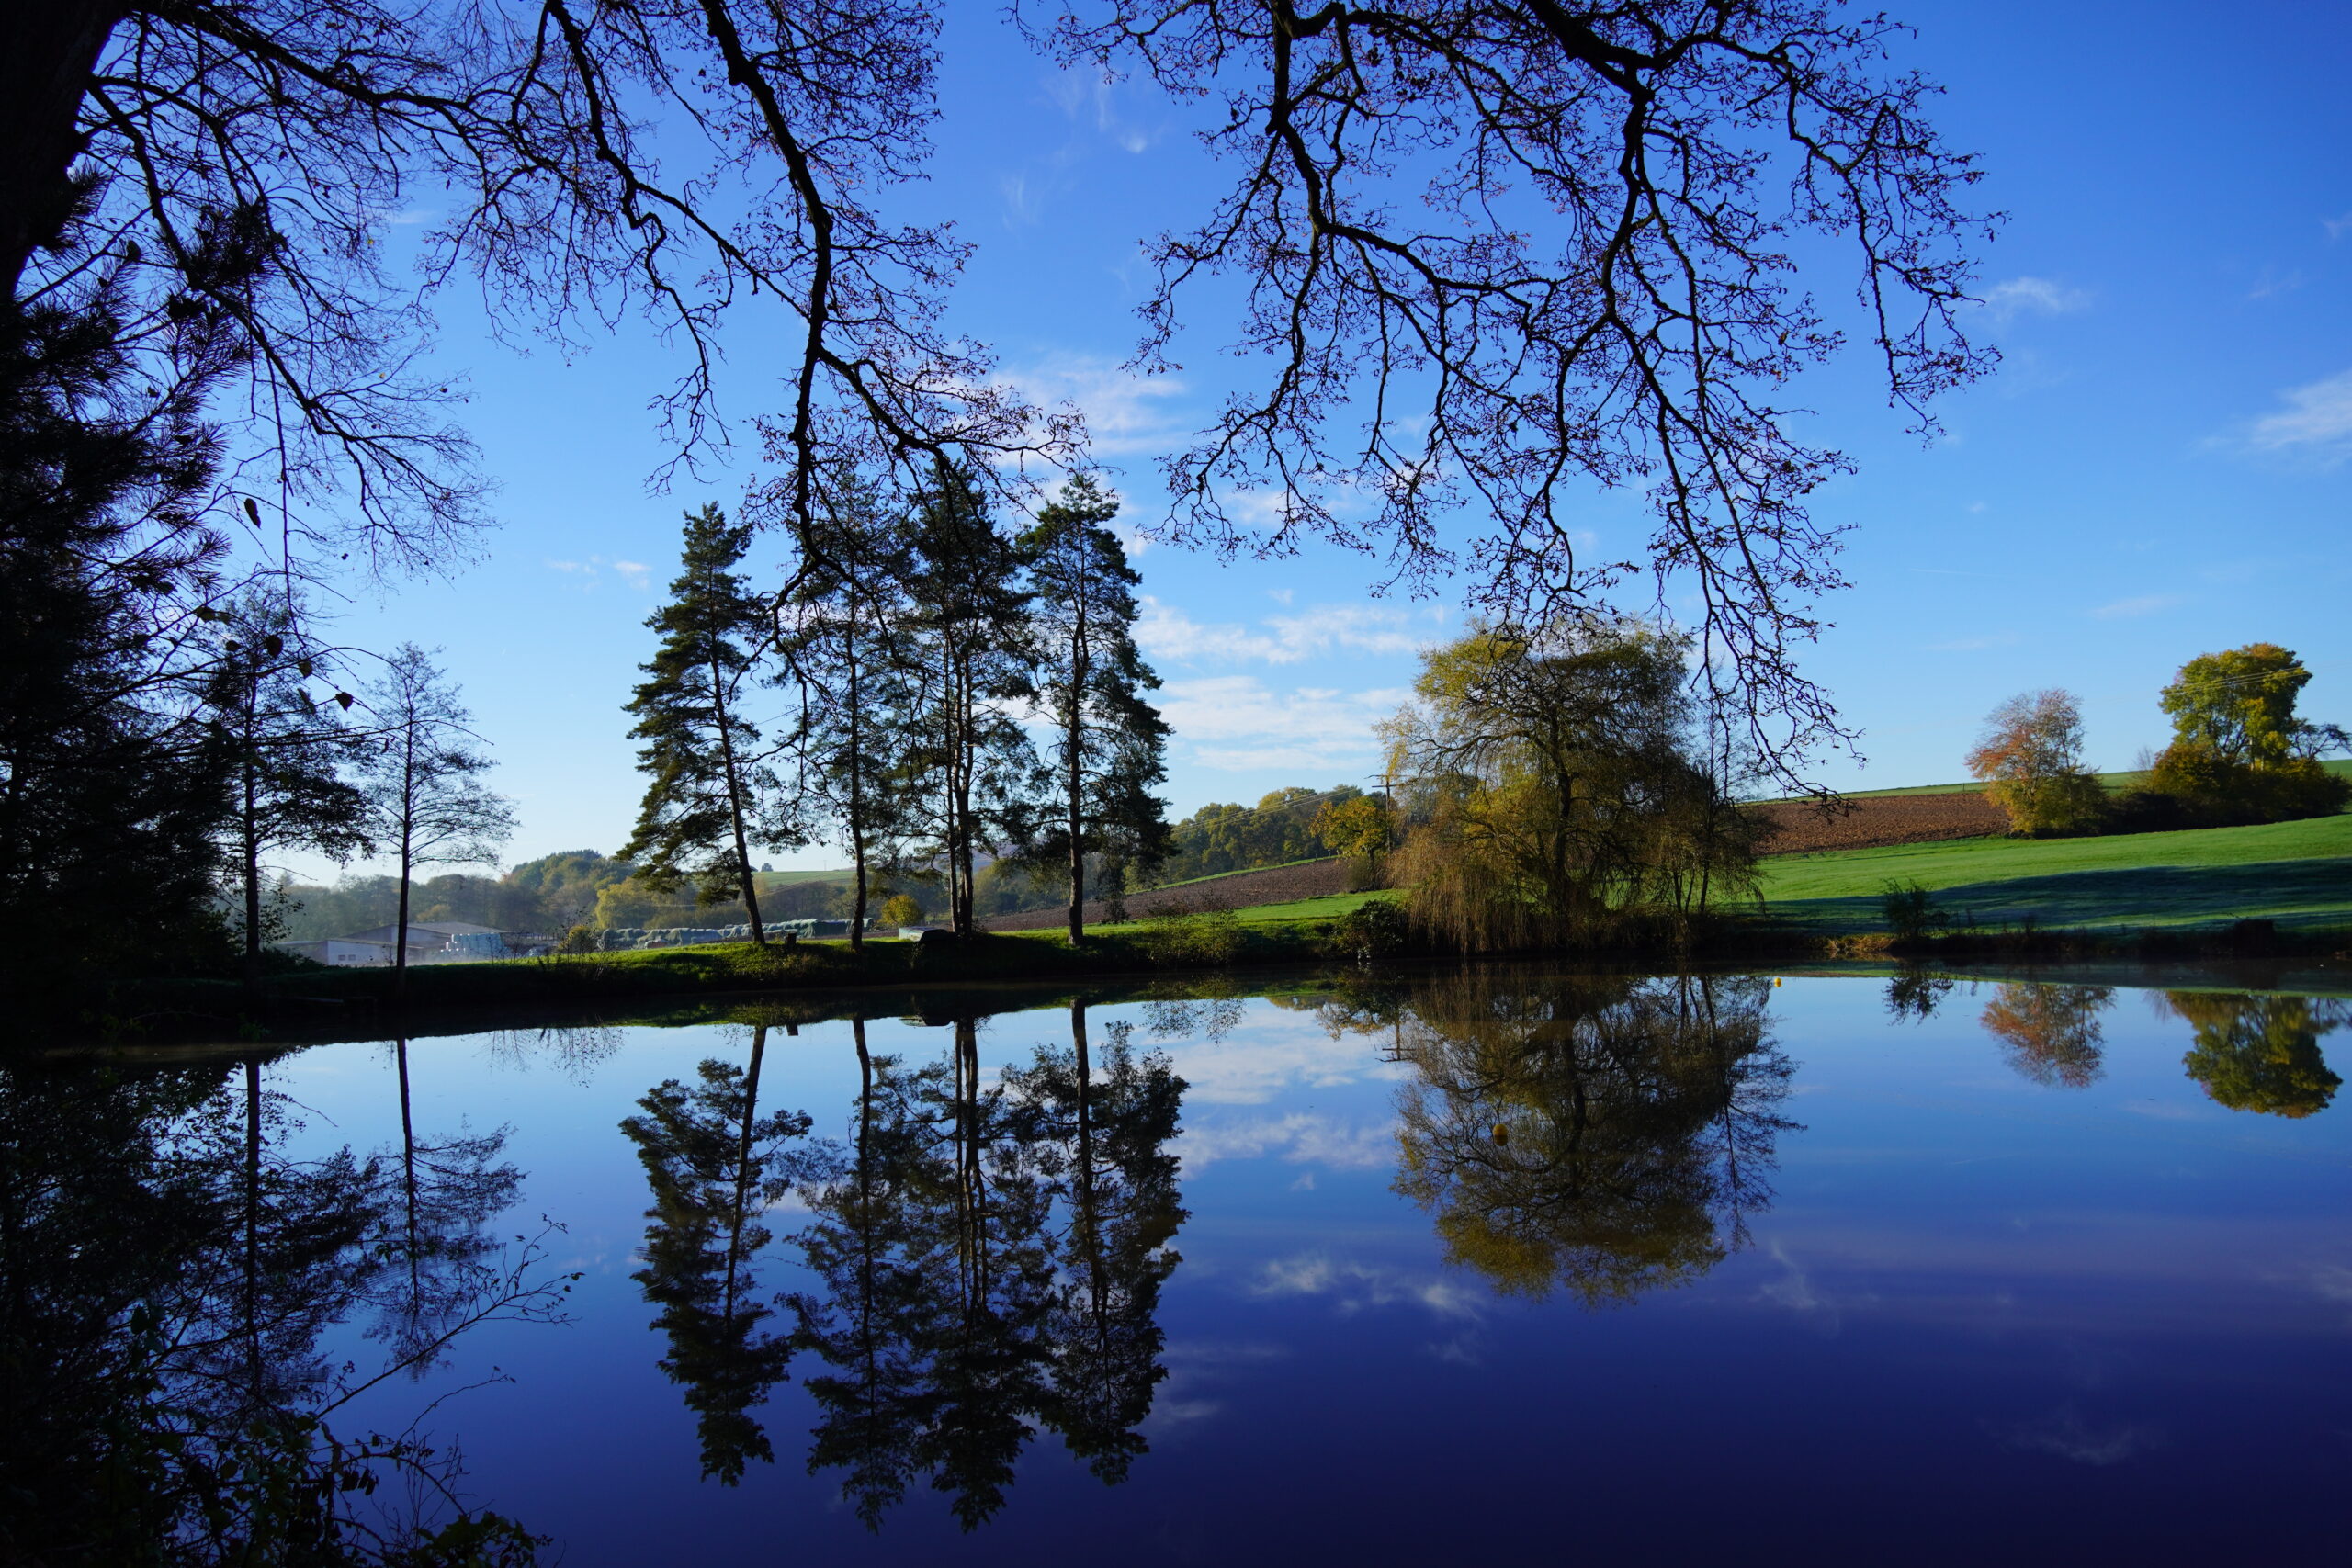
(2337, 226)
(1351, 1287)
(636, 574)
(1167, 632)
(2143, 605)
(2316, 421)
(2066, 1435)
(2033, 296)
(1108, 105)
(1127, 415)
(1233, 722)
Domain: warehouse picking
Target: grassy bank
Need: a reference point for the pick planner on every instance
(2296, 873)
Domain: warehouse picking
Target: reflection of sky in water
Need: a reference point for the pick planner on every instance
(1996, 1311)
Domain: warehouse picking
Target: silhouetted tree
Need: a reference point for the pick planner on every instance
(839, 628)
(111, 785)
(1106, 1127)
(877, 1246)
(715, 1164)
(709, 794)
(1109, 743)
(287, 753)
(423, 779)
(974, 772)
(1488, 254)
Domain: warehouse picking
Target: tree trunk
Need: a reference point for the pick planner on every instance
(743, 1166)
(856, 801)
(49, 50)
(249, 863)
(1074, 742)
(735, 804)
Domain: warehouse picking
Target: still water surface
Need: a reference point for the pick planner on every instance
(1656, 1270)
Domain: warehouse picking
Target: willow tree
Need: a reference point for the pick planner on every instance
(1109, 746)
(1559, 790)
(708, 785)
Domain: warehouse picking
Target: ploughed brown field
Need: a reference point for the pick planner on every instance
(1872, 823)
(1275, 884)
(1879, 821)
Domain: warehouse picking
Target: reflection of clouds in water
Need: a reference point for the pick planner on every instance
(1301, 1138)
(1254, 1064)
(1197, 1368)
(1795, 1291)
(2066, 1435)
(2332, 1282)
(1351, 1287)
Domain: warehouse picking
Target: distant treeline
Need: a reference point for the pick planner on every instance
(1282, 827)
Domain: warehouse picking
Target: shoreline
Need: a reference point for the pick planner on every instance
(650, 986)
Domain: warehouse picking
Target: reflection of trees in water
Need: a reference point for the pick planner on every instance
(2259, 1053)
(2051, 1033)
(1912, 995)
(166, 1271)
(716, 1165)
(990, 1259)
(1607, 1135)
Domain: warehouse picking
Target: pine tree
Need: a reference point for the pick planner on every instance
(110, 783)
(844, 608)
(704, 805)
(1110, 744)
(973, 767)
(286, 752)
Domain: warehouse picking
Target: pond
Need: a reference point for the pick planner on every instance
(1670, 1268)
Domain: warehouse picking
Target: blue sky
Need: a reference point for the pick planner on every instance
(2159, 468)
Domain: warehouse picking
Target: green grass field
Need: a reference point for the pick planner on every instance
(2298, 873)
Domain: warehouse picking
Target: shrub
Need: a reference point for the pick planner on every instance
(581, 938)
(1373, 929)
(1912, 912)
(901, 909)
(1195, 937)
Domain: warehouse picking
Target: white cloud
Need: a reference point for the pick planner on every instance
(2337, 226)
(2316, 421)
(1354, 1286)
(2034, 296)
(1233, 722)
(2143, 605)
(1127, 415)
(1105, 102)
(1165, 632)
(634, 570)
(1299, 1138)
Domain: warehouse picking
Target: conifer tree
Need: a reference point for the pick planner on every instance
(973, 770)
(843, 611)
(1110, 743)
(287, 750)
(707, 782)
